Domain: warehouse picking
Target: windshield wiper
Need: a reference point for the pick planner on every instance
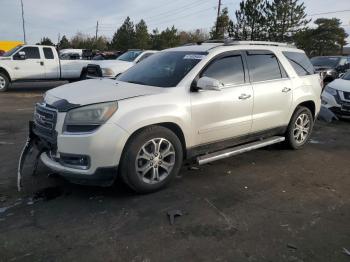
(137, 82)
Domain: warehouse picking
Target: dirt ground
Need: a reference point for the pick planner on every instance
(272, 204)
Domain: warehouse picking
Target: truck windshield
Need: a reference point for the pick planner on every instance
(164, 69)
(129, 56)
(12, 51)
(325, 61)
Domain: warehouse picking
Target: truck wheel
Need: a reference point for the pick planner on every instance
(4, 82)
(299, 128)
(151, 159)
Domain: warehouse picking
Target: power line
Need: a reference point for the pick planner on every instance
(333, 12)
(191, 14)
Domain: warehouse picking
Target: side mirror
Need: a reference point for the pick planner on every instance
(208, 83)
(21, 55)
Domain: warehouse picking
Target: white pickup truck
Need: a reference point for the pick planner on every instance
(36, 62)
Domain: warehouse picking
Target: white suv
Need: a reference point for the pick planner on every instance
(201, 102)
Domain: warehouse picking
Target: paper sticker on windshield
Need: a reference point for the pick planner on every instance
(196, 57)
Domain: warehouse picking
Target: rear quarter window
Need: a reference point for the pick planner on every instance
(300, 62)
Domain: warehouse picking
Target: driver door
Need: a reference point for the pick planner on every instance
(224, 114)
(32, 67)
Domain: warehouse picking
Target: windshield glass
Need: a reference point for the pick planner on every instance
(346, 76)
(164, 69)
(129, 56)
(325, 61)
(12, 51)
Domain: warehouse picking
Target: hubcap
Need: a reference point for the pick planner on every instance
(2, 82)
(155, 160)
(301, 128)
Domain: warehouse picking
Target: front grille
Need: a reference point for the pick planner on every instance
(346, 95)
(45, 119)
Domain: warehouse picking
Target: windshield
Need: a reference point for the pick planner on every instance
(346, 76)
(164, 69)
(325, 61)
(12, 51)
(129, 56)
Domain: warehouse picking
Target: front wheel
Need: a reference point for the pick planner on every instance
(4, 82)
(300, 128)
(151, 159)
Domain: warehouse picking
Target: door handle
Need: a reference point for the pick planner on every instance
(40, 62)
(286, 90)
(244, 96)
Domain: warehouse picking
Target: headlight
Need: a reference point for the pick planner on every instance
(88, 118)
(331, 91)
(330, 72)
(108, 72)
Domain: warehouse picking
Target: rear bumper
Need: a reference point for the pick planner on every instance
(103, 176)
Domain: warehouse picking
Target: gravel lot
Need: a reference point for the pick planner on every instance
(268, 205)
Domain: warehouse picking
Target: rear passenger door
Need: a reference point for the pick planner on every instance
(219, 115)
(51, 64)
(272, 90)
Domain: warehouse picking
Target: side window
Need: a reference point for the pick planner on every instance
(31, 52)
(263, 67)
(145, 56)
(300, 62)
(228, 70)
(48, 53)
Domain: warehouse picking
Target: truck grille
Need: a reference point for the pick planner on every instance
(346, 95)
(45, 119)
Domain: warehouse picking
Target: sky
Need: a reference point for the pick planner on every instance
(49, 18)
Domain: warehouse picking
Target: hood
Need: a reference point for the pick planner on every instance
(5, 58)
(98, 91)
(340, 84)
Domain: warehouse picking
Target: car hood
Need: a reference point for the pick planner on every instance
(340, 84)
(97, 91)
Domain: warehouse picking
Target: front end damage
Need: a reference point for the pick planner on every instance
(42, 136)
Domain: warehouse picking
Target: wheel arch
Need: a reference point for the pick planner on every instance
(175, 128)
(310, 105)
(3, 70)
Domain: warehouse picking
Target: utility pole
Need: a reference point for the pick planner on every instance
(217, 18)
(96, 31)
(23, 24)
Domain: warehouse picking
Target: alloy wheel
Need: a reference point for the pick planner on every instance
(155, 160)
(301, 128)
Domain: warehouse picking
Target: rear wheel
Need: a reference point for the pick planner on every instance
(4, 82)
(300, 128)
(152, 158)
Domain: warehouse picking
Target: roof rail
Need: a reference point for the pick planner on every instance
(218, 41)
(235, 42)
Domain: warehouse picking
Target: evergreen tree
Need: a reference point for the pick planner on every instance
(284, 19)
(124, 38)
(64, 43)
(328, 38)
(142, 38)
(250, 21)
(45, 41)
(221, 26)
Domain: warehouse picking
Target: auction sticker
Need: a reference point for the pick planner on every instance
(197, 57)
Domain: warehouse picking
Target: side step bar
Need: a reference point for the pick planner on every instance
(201, 160)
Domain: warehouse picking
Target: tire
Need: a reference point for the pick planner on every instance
(141, 161)
(4, 82)
(300, 128)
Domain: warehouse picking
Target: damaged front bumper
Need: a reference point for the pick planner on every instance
(336, 105)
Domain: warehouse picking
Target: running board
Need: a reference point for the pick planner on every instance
(201, 160)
